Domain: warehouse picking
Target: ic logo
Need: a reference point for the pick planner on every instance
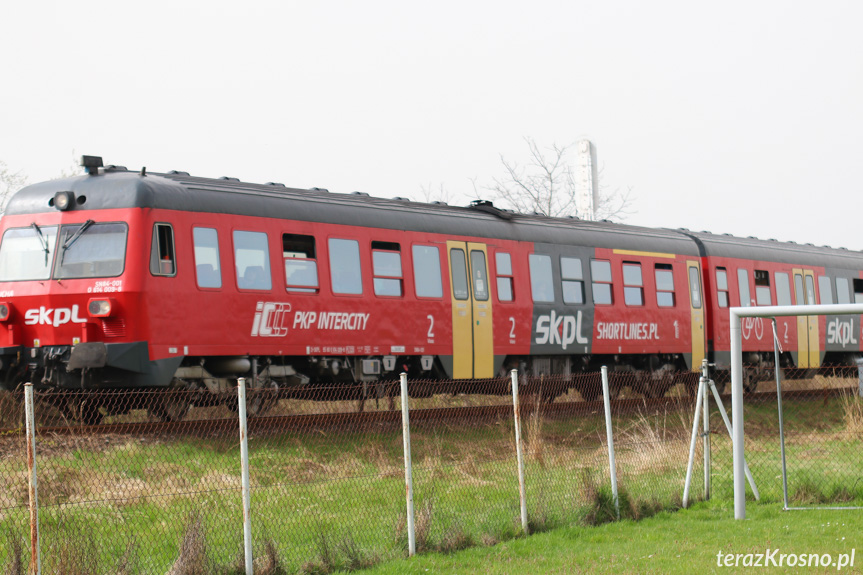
(271, 319)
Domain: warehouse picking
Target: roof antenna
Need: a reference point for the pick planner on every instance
(144, 171)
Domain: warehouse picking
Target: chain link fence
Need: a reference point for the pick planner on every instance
(822, 416)
(144, 493)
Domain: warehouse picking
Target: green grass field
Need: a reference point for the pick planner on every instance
(683, 542)
(324, 500)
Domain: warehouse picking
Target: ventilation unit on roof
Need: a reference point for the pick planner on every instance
(177, 173)
(401, 199)
(487, 207)
(321, 190)
(276, 184)
(229, 179)
(359, 194)
(439, 203)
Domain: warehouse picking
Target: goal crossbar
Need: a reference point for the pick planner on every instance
(736, 314)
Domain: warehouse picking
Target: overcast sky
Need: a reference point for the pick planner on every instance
(738, 116)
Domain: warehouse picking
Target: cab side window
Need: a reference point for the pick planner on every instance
(162, 257)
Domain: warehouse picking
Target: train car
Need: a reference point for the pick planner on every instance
(751, 272)
(122, 280)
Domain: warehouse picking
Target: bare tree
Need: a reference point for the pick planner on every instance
(10, 182)
(546, 185)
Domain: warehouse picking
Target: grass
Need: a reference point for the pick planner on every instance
(325, 501)
(668, 543)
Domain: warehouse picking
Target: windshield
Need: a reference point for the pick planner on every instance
(87, 250)
(27, 253)
(91, 251)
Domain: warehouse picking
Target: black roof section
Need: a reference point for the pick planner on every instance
(115, 187)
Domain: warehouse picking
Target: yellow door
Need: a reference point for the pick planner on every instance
(697, 310)
(473, 344)
(808, 345)
(483, 330)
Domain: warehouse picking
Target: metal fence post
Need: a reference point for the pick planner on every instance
(609, 434)
(30, 424)
(702, 382)
(705, 371)
(409, 480)
(522, 495)
(244, 457)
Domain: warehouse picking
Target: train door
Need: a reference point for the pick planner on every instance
(472, 341)
(696, 304)
(808, 343)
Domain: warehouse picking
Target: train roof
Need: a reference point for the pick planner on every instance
(119, 188)
(727, 245)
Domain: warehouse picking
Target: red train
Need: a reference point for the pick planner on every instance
(122, 279)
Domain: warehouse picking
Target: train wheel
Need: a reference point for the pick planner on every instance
(85, 409)
(750, 379)
(263, 399)
(170, 407)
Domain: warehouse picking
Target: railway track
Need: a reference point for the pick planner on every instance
(307, 423)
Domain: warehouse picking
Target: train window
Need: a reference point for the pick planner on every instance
(91, 250)
(762, 288)
(843, 291)
(345, 270)
(722, 287)
(633, 285)
(858, 290)
(743, 284)
(208, 272)
(387, 268)
(572, 280)
(810, 290)
(694, 287)
(826, 289)
(600, 275)
(480, 275)
(798, 289)
(301, 266)
(783, 289)
(27, 253)
(252, 260)
(459, 274)
(541, 283)
(427, 276)
(505, 282)
(162, 253)
(664, 285)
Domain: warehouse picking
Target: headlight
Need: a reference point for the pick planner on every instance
(63, 200)
(100, 307)
(5, 311)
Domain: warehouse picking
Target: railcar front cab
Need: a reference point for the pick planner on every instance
(47, 325)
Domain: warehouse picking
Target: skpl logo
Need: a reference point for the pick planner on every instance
(271, 319)
(841, 332)
(53, 316)
(560, 330)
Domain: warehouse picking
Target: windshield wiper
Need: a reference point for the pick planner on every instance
(43, 240)
(73, 238)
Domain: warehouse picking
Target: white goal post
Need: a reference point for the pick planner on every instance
(736, 314)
